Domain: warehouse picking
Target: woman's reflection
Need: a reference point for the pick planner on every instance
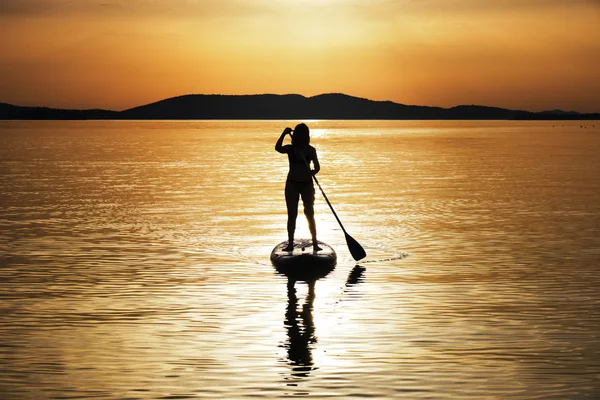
(300, 325)
(301, 330)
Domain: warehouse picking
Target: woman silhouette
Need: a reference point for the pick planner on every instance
(299, 180)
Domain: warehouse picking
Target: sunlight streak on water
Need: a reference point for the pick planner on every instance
(134, 261)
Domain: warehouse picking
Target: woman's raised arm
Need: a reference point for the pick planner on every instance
(279, 145)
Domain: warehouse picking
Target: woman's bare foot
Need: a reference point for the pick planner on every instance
(316, 247)
(289, 247)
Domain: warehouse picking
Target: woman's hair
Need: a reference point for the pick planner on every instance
(301, 136)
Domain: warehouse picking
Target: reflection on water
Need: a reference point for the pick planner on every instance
(134, 261)
(301, 330)
(300, 326)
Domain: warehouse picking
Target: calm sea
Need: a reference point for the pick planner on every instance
(134, 261)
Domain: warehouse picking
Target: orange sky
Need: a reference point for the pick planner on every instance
(116, 54)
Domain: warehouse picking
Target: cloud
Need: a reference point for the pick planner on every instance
(132, 7)
(312, 9)
(398, 8)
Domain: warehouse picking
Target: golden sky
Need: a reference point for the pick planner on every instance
(521, 54)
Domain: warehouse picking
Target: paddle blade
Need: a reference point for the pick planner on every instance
(357, 251)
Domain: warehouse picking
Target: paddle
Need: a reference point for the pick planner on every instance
(356, 250)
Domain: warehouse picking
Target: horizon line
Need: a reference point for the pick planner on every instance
(553, 110)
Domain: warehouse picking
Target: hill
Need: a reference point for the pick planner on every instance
(292, 106)
(9, 111)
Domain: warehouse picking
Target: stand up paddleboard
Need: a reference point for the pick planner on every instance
(303, 263)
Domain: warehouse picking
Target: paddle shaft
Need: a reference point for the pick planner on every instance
(328, 203)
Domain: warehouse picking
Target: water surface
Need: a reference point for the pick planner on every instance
(134, 261)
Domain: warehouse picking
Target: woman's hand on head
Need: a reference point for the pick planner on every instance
(287, 131)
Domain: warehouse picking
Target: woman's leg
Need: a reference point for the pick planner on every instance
(291, 200)
(308, 199)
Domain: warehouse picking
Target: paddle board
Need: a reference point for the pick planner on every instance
(303, 263)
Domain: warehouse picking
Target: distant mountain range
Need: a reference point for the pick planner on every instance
(290, 106)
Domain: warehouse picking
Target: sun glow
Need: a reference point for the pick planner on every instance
(527, 54)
